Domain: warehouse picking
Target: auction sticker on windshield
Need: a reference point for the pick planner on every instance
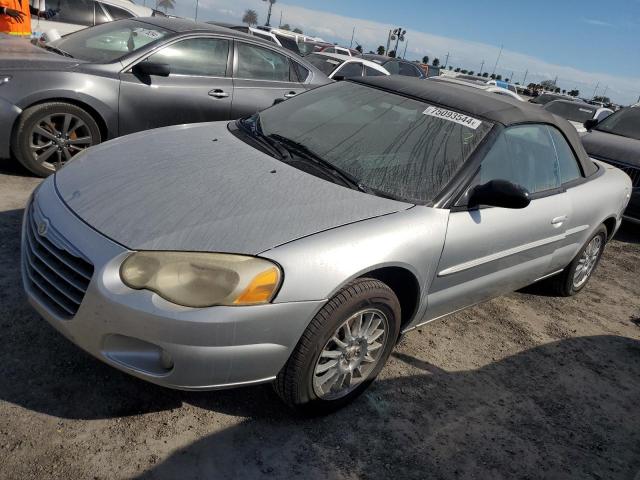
(456, 117)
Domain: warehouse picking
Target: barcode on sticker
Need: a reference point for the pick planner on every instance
(456, 117)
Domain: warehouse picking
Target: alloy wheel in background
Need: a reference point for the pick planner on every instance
(56, 138)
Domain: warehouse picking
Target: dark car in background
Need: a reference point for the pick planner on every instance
(396, 66)
(616, 140)
(545, 98)
(131, 75)
(577, 112)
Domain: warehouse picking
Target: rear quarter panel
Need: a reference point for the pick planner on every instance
(604, 197)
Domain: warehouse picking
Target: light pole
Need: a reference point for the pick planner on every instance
(497, 60)
(481, 67)
(271, 2)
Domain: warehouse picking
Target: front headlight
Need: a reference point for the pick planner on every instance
(202, 279)
(4, 79)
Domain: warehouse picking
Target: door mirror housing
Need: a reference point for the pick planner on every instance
(338, 78)
(589, 124)
(278, 100)
(151, 68)
(499, 193)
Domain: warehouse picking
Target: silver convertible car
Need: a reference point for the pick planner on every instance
(296, 245)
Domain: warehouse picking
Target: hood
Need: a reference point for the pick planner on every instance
(16, 54)
(608, 146)
(199, 188)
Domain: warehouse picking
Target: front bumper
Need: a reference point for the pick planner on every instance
(8, 116)
(140, 333)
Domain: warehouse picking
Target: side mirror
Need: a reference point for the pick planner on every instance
(338, 78)
(151, 68)
(278, 100)
(589, 124)
(499, 193)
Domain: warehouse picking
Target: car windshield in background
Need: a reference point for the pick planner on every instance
(390, 144)
(109, 41)
(323, 63)
(571, 111)
(625, 122)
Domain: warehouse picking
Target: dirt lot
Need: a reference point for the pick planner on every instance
(526, 386)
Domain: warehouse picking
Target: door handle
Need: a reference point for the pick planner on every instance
(217, 93)
(558, 220)
(290, 94)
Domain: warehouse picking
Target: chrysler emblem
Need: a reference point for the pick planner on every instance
(42, 228)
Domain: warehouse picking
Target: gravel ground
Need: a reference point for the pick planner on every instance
(524, 386)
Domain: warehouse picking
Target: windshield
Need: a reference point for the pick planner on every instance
(387, 143)
(109, 41)
(571, 111)
(323, 63)
(625, 122)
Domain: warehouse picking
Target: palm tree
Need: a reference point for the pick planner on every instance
(250, 17)
(381, 50)
(271, 2)
(166, 4)
(425, 59)
(436, 62)
(297, 30)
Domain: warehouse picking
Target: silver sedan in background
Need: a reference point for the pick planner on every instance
(294, 246)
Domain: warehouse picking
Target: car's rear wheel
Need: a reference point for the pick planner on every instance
(50, 134)
(343, 349)
(576, 275)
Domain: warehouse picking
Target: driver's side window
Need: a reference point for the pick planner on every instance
(523, 155)
(205, 57)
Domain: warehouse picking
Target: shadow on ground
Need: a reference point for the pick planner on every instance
(563, 410)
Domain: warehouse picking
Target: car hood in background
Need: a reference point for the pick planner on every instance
(17, 54)
(612, 147)
(199, 188)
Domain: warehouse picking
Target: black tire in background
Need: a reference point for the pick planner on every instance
(564, 284)
(49, 134)
(295, 382)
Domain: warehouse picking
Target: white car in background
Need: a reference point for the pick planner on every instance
(339, 67)
(576, 113)
(75, 15)
(480, 85)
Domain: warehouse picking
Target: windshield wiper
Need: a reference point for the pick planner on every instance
(251, 126)
(57, 50)
(303, 152)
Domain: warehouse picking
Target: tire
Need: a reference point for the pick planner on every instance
(297, 383)
(564, 284)
(45, 125)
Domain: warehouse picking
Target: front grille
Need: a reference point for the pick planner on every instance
(58, 278)
(633, 172)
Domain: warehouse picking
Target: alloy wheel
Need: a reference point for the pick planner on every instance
(351, 354)
(56, 138)
(587, 262)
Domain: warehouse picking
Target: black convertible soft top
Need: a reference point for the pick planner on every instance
(489, 106)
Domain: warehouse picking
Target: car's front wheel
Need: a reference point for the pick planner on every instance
(343, 349)
(50, 134)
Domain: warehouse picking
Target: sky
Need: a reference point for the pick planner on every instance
(591, 45)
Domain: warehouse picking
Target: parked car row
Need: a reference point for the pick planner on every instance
(294, 244)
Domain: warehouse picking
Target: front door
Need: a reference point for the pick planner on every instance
(197, 89)
(261, 76)
(490, 251)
